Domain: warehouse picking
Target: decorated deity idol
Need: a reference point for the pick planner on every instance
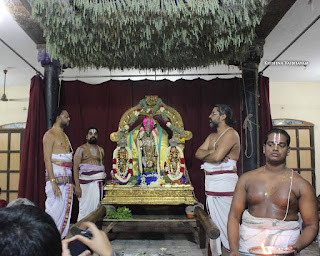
(174, 162)
(122, 162)
(148, 147)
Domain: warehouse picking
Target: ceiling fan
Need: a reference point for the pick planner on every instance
(4, 96)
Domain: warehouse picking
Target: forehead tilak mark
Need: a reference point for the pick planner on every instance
(93, 131)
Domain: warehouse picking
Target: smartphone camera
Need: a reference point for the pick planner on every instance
(76, 247)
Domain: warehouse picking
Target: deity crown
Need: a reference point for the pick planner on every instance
(148, 122)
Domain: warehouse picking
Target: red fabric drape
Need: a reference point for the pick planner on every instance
(3, 203)
(265, 120)
(103, 105)
(31, 182)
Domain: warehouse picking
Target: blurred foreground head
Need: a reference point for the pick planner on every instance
(27, 231)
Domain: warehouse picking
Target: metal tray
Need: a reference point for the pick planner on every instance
(257, 250)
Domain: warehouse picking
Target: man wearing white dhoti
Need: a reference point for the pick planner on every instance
(269, 231)
(220, 152)
(274, 194)
(89, 174)
(58, 161)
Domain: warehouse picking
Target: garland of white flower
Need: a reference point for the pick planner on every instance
(139, 151)
(167, 165)
(143, 105)
(115, 168)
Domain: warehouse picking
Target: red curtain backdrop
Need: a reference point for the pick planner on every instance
(32, 170)
(265, 120)
(103, 105)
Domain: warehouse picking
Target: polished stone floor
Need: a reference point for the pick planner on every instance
(144, 239)
(311, 250)
(154, 244)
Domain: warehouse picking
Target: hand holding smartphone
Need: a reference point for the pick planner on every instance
(76, 247)
(93, 238)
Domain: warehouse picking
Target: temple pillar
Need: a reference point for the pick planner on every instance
(250, 103)
(51, 84)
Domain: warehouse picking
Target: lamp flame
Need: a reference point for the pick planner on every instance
(265, 250)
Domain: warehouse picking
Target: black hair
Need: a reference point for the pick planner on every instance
(226, 110)
(57, 112)
(92, 127)
(27, 230)
(278, 130)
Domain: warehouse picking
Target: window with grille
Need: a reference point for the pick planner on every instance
(11, 139)
(302, 154)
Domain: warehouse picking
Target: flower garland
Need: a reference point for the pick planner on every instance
(167, 165)
(147, 34)
(126, 175)
(159, 105)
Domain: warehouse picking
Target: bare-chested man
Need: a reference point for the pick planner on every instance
(220, 152)
(274, 195)
(58, 161)
(89, 174)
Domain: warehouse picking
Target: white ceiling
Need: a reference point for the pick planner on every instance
(307, 48)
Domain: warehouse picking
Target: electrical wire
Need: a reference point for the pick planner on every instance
(28, 63)
(305, 30)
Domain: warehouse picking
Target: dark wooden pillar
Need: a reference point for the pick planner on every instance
(250, 103)
(51, 82)
(51, 90)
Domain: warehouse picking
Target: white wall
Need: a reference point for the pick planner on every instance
(299, 100)
(14, 111)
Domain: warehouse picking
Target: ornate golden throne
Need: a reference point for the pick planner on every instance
(162, 192)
